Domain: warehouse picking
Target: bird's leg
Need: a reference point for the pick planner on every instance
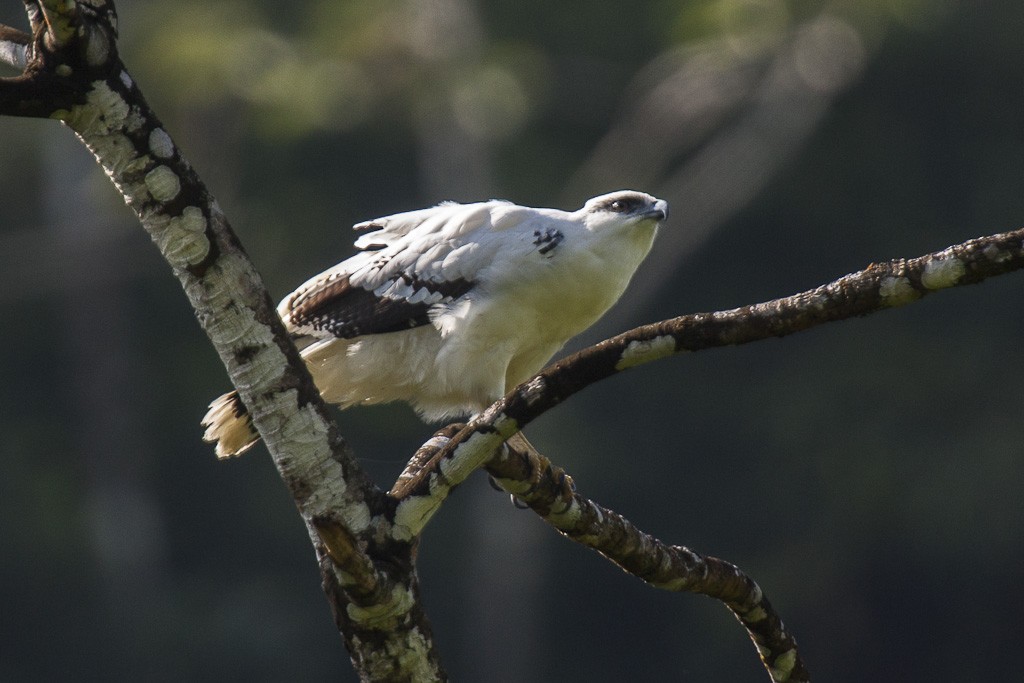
(521, 470)
(504, 453)
(421, 458)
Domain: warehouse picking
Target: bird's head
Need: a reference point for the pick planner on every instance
(624, 208)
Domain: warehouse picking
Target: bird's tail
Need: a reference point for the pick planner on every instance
(229, 426)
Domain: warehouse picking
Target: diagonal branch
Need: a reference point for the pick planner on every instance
(880, 286)
(549, 491)
(73, 74)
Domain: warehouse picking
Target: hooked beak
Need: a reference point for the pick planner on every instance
(658, 212)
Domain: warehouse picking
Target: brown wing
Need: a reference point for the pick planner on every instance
(338, 308)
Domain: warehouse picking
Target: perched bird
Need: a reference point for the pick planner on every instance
(449, 307)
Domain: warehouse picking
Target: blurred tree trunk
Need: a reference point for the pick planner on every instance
(107, 397)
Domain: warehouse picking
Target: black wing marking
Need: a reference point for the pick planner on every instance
(546, 240)
(346, 311)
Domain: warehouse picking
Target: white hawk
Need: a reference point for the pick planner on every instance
(449, 307)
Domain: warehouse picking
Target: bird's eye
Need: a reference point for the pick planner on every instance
(622, 204)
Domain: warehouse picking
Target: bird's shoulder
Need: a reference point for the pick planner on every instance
(446, 221)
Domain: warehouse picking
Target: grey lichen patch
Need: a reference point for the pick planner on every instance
(644, 351)
(676, 584)
(755, 615)
(163, 184)
(160, 144)
(233, 326)
(411, 515)
(782, 666)
(411, 654)
(103, 112)
(382, 615)
(996, 255)
(303, 435)
(264, 369)
(815, 300)
(135, 120)
(943, 273)
(122, 159)
(470, 455)
(534, 390)
(101, 122)
(357, 515)
(415, 656)
(896, 291)
(181, 239)
(305, 427)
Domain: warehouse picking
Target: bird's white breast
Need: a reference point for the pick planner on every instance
(526, 315)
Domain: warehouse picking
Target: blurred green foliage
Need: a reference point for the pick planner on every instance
(866, 473)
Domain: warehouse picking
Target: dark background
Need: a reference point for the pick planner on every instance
(867, 473)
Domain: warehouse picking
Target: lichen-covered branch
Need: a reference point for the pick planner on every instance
(880, 286)
(549, 491)
(72, 73)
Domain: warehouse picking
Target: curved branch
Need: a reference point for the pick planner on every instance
(549, 491)
(878, 287)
